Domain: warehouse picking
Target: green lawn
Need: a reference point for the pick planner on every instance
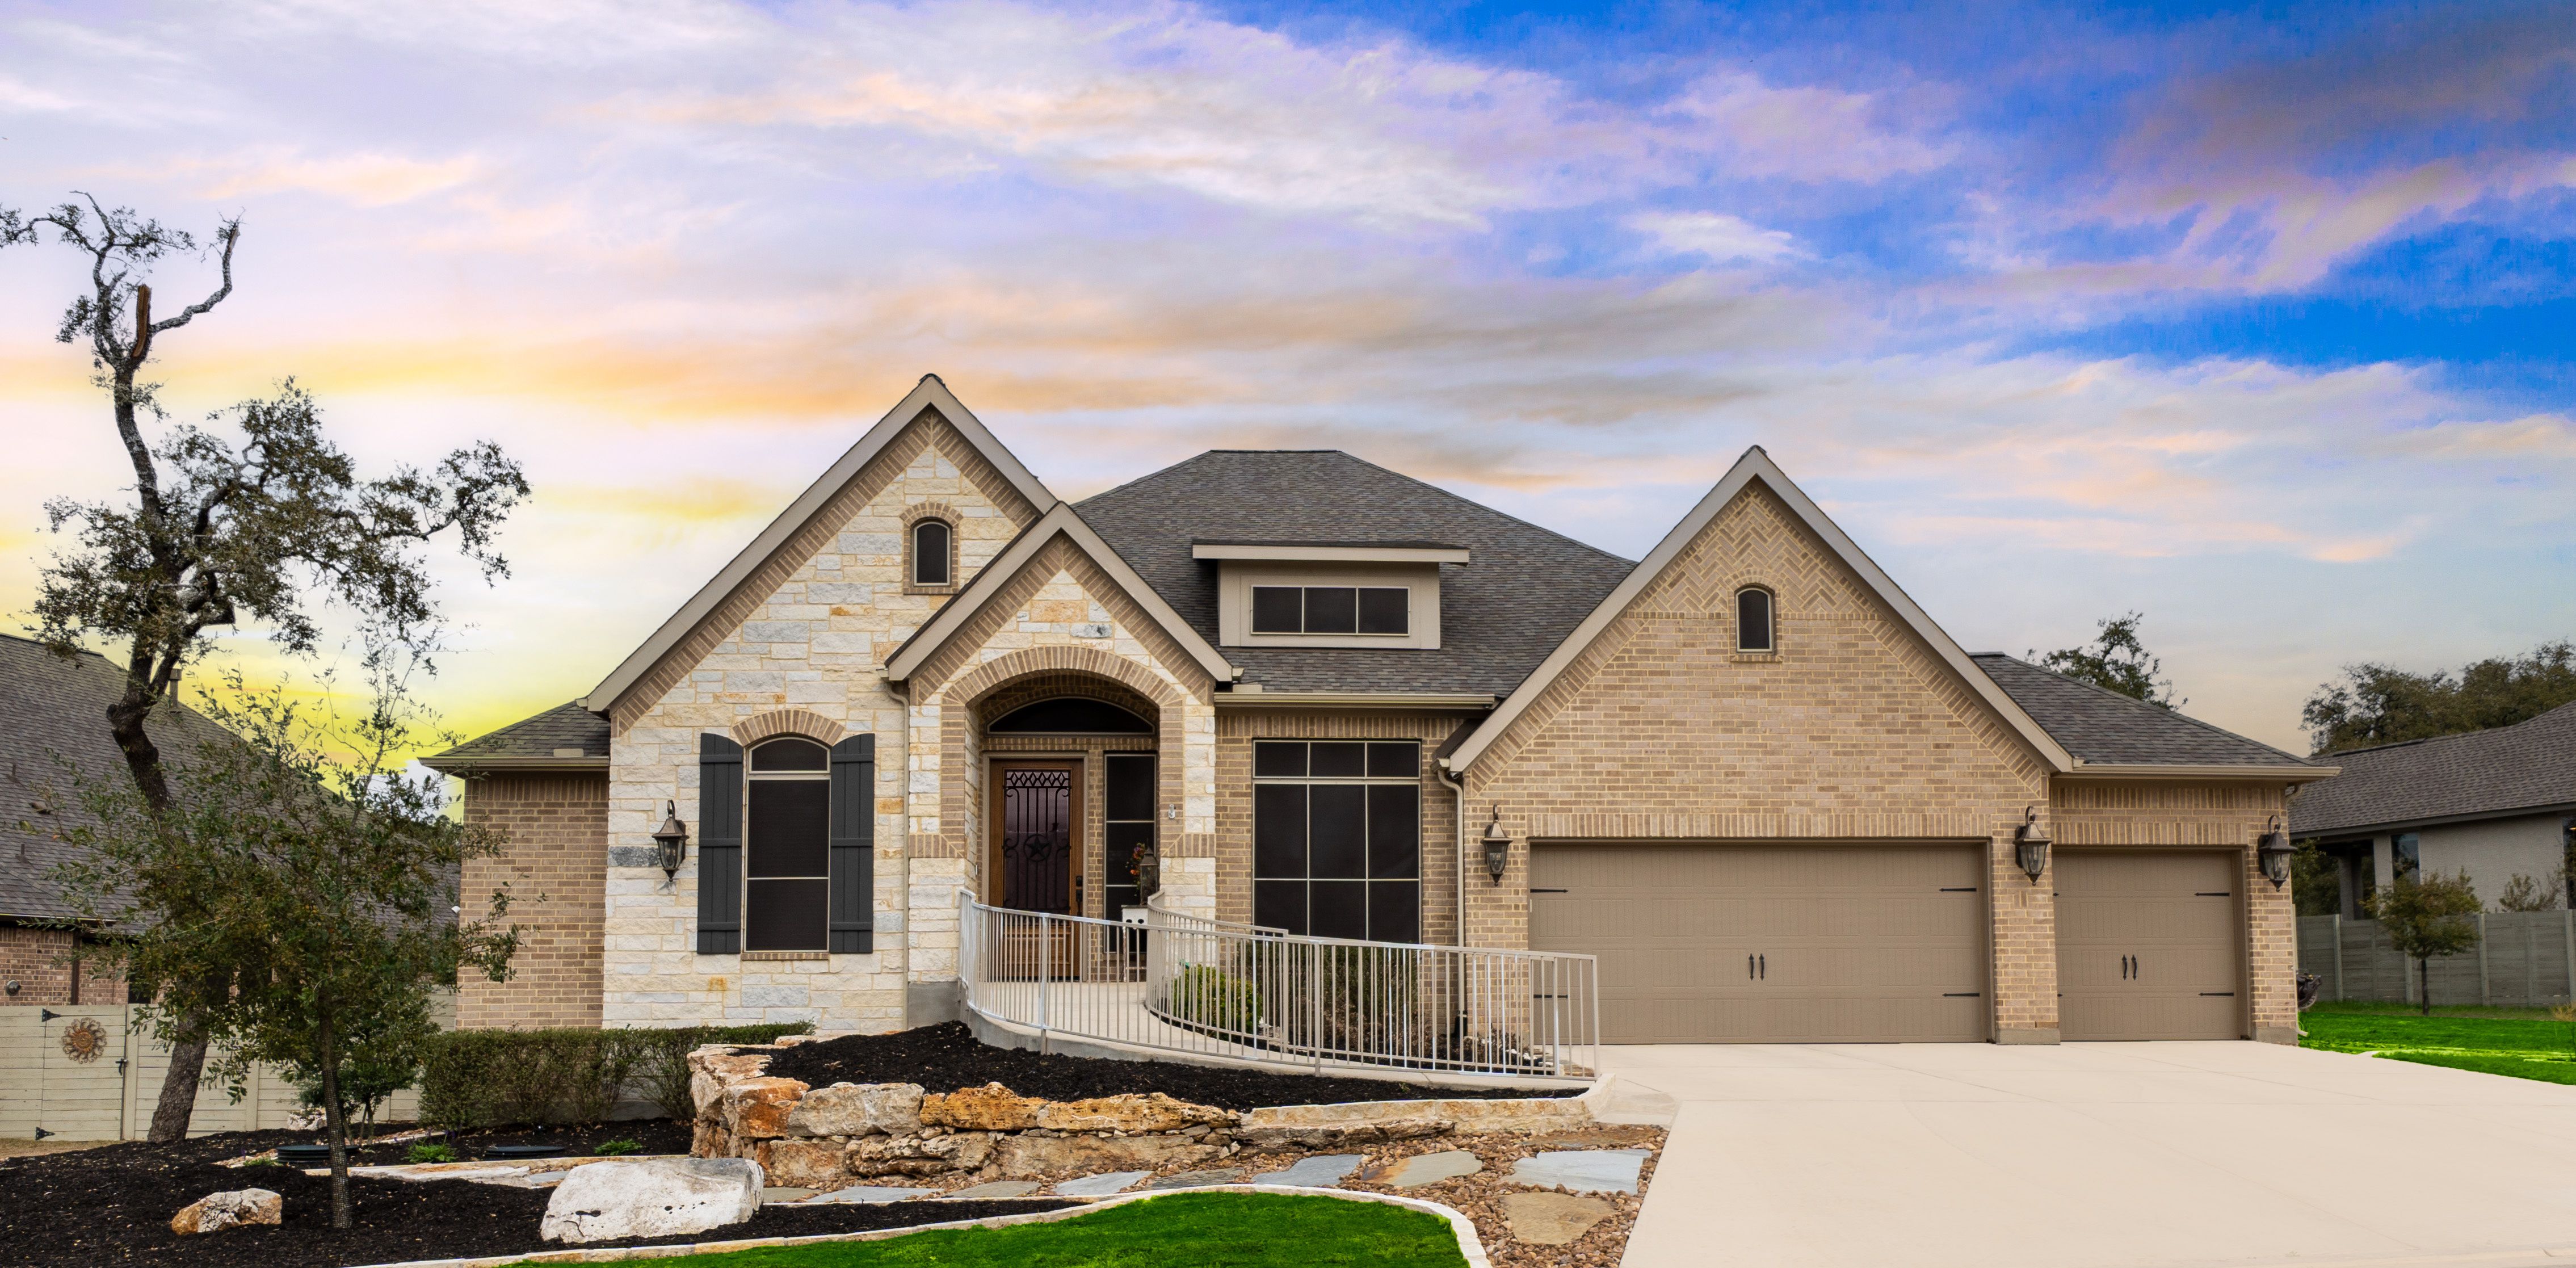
(2521, 1042)
(1218, 1230)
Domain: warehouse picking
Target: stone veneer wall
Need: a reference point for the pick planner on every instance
(555, 868)
(815, 642)
(35, 960)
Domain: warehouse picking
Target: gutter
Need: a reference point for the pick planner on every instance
(2301, 774)
(1255, 698)
(446, 765)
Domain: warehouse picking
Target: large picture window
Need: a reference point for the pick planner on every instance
(1337, 838)
(787, 896)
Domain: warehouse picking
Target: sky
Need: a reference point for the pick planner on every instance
(2253, 320)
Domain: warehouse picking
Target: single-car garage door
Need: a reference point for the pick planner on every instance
(1787, 943)
(2147, 945)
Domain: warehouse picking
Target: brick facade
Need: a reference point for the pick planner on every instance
(39, 962)
(555, 869)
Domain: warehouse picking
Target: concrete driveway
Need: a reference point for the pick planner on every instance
(2096, 1156)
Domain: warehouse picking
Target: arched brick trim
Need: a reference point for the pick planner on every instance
(973, 685)
(961, 755)
(1056, 684)
(776, 722)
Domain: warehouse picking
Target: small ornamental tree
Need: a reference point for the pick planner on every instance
(2426, 915)
(322, 888)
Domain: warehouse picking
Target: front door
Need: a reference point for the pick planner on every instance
(1036, 860)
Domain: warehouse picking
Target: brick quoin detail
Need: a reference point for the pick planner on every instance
(777, 722)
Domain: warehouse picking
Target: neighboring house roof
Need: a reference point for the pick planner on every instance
(2104, 728)
(53, 712)
(540, 742)
(1754, 465)
(1501, 613)
(1060, 522)
(929, 394)
(2526, 768)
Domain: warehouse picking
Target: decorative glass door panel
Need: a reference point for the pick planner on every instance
(1037, 858)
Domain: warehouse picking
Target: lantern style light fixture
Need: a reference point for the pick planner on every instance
(1498, 847)
(670, 841)
(2273, 850)
(2030, 844)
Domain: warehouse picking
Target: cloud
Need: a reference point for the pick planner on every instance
(364, 179)
(1720, 238)
(1803, 133)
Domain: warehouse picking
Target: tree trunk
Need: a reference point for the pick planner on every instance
(334, 1121)
(2423, 986)
(178, 1100)
(125, 719)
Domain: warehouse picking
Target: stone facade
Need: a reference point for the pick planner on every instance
(555, 872)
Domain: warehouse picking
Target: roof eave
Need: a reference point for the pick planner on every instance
(2430, 821)
(1443, 700)
(450, 764)
(2301, 774)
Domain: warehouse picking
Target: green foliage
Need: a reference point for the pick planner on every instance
(613, 1148)
(2115, 661)
(430, 1151)
(2316, 881)
(2382, 704)
(2427, 915)
(1205, 995)
(2528, 893)
(498, 1078)
(2523, 1047)
(1238, 1230)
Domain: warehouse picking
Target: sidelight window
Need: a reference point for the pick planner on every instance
(1337, 838)
(787, 895)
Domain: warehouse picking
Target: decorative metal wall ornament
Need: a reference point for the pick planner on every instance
(84, 1040)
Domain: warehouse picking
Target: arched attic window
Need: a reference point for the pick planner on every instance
(1070, 715)
(1754, 621)
(933, 547)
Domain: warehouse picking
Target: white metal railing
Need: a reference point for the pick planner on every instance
(1192, 985)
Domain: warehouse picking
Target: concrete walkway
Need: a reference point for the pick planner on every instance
(2097, 1156)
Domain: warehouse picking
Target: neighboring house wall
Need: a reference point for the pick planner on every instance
(37, 960)
(1852, 730)
(2493, 851)
(826, 616)
(555, 871)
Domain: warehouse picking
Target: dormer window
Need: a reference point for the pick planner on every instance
(1753, 632)
(1332, 609)
(934, 555)
(1329, 594)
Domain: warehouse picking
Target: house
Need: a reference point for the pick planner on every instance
(53, 735)
(2495, 804)
(1747, 772)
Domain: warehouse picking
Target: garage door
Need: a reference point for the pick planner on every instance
(1732, 944)
(2147, 946)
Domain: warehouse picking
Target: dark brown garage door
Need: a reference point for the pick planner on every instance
(2147, 945)
(1785, 943)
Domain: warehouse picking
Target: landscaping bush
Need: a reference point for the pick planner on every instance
(493, 1078)
(1206, 996)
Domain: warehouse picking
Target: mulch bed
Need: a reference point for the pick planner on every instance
(948, 1057)
(112, 1205)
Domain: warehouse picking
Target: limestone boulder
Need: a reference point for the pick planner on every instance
(858, 1109)
(874, 1156)
(714, 1068)
(1151, 1112)
(757, 1109)
(990, 1108)
(1028, 1157)
(1336, 1135)
(1552, 1219)
(218, 1211)
(651, 1197)
(803, 1164)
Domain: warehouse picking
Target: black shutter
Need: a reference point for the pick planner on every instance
(719, 846)
(854, 841)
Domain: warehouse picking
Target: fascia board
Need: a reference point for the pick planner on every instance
(460, 765)
(1241, 699)
(1757, 465)
(2300, 774)
(930, 393)
(1336, 554)
(954, 614)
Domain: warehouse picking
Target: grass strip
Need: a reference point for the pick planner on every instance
(1219, 1230)
(2559, 1070)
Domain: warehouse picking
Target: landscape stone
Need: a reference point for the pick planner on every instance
(651, 1197)
(1197, 1179)
(1031, 1157)
(917, 1155)
(990, 1108)
(778, 1193)
(999, 1189)
(867, 1194)
(1151, 1112)
(1422, 1169)
(1323, 1171)
(756, 1109)
(1100, 1186)
(1551, 1219)
(808, 1164)
(1582, 1170)
(231, 1209)
(1331, 1135)
(858, 1109)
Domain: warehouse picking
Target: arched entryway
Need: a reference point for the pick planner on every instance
(1072, 779)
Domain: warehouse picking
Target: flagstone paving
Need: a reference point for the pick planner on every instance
(1322, 1171)
(1196, 1179)
(867, 1193)
(999, 1189)
(1099, 1186)
(1582, 1170)
(1552, 1219)
(1422, 1169)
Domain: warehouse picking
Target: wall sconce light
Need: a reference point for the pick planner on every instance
(1498, 847)
(670, 841)
(2030, 845)
(2273, 850)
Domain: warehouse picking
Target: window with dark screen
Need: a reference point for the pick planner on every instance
(1337, 838)
(933, 545)
(1332, 610)
(787, 847)
(1753, 631)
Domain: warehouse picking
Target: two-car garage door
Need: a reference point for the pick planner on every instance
(1718, 943)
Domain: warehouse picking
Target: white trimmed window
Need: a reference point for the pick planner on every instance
(1755, 621)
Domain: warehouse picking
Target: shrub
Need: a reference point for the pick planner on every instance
(493, 1078)
(612, 1148)
(431, 1151)
(1210, 997)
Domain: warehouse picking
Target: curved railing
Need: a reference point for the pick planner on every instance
(1198, 986)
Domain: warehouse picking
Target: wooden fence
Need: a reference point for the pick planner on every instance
(2523, 959)
(93, 1072)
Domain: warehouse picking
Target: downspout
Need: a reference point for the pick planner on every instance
(1457, 782)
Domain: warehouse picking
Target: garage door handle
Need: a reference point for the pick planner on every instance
(1766, 968)
(1748, 968)
(2218, 994)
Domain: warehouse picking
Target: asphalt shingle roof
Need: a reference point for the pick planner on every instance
(53, 733)
(2097, 725)
(1521, 592)
(2527, 766)
(566, 725)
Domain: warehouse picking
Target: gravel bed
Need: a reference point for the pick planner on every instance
(948, 1057)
